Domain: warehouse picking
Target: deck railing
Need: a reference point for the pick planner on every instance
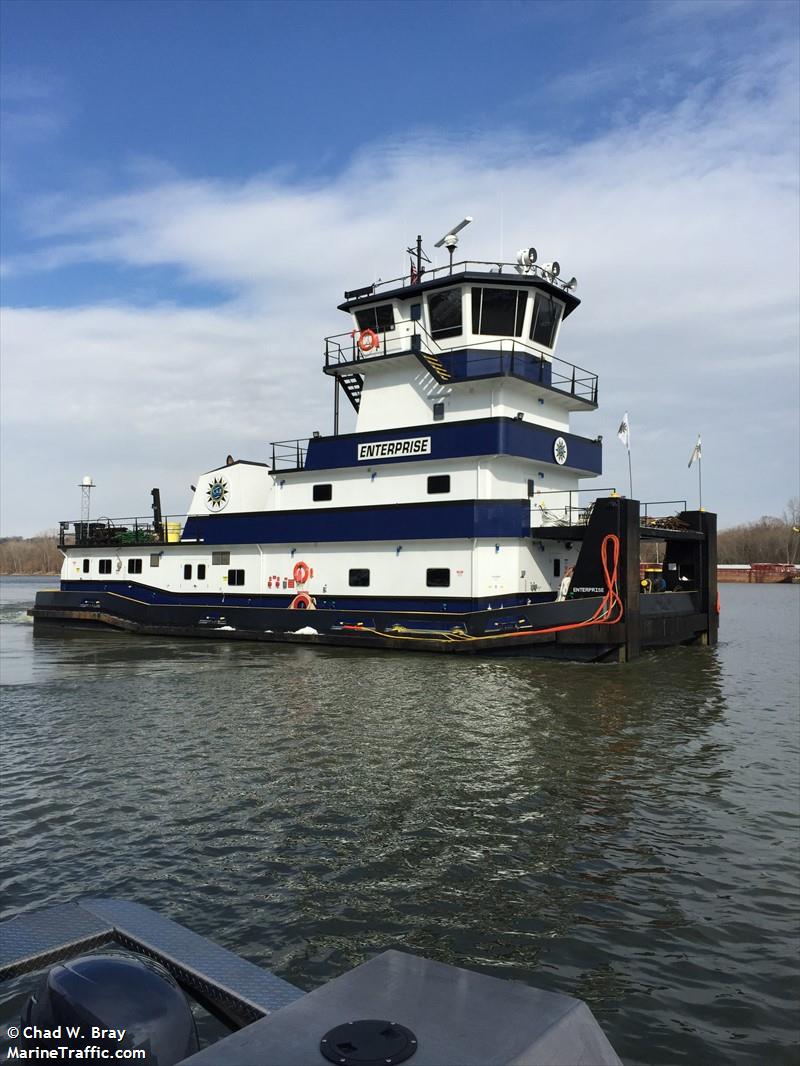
(289, 454)
(464, 266)
(571, 512)
(120, 532)
(502, 356)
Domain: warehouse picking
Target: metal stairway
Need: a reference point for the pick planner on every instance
(434, 365)
(352, 385)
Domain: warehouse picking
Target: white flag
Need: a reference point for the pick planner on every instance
(697, 451)
(624, 432)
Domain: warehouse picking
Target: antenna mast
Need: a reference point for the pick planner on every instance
(86, 487)
(418, 254)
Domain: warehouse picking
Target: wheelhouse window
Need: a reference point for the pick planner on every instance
(545, 319)
(438, 483)
(235, 577)
(498, 312)
(359, 579)
(134, 566)
(220, 558)
(86, 566)
(437, 578)
(155, 559)
(187, 572)
(322, 492)
(444, 309)
(438, 412)
(201, 571)
(105, 566)
(381, 318)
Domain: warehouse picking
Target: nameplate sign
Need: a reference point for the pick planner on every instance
(387, 449)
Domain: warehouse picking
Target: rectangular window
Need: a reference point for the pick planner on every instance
(416, 312)
(322, 492)
(438, 483)
(556, 568)
(438, 412)
(155, 559)
(359, 579)
(544, 323)
(531, 487)
(134, 566)
(437, 579)
(105, 566)
(86, 566)
(444, 309)
(498, 312)
(201, 571)
(236, 577)
(220, 558)
(381, 318)
(187, 572)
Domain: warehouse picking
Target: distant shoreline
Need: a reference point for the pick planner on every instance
(29, 573)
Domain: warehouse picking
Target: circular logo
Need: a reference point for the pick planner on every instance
(217, 494)
(560, 450)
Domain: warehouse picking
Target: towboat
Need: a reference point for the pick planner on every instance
(453, 519)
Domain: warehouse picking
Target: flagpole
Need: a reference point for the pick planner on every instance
(700, 479)
(630, 473)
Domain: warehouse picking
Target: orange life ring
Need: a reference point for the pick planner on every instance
(301, 573)
(302, 602)
(368, 340)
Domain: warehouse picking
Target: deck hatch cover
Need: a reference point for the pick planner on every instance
(368, 1042)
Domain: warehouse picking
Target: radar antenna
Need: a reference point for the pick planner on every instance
(450, 240)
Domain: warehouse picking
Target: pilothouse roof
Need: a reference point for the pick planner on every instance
(491, 273)
(524, 274)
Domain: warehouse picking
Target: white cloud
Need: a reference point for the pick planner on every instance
(681, 229)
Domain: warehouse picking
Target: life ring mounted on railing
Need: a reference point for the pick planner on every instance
(368, 341)
(301, 573)
(302, 602)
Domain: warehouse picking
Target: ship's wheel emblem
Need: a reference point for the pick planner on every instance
(217, 494)
(560, 450)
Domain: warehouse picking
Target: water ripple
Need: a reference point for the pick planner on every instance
(627, 835)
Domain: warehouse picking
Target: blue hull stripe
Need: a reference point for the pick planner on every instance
(456, 440)
(394, 522)
(150, 596)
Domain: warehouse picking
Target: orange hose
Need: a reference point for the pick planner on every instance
(610, 601)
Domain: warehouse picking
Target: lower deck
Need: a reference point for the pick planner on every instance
(604, 613)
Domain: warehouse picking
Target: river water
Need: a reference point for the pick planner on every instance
(624, 833)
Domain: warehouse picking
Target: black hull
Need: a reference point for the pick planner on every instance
(667, 619)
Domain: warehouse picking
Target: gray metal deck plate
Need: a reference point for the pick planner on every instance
(32, 941)
(460, 1019)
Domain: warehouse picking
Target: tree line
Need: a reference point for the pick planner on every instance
(30, 555)
(768, 540)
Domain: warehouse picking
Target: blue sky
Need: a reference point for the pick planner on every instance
(188, 187)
